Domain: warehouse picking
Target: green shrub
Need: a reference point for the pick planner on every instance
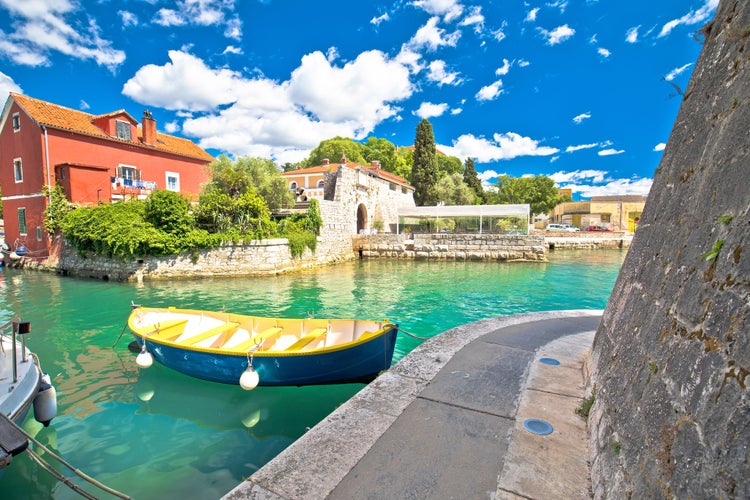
(168, 211)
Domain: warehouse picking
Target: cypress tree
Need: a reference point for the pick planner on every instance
(472, 180)
(424, 171)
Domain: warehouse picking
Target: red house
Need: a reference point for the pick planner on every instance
(95, 158)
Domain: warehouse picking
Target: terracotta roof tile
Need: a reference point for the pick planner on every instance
(319, 169)
(53, 115)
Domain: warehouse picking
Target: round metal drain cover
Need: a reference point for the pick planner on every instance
(549, 361)
(537, 426)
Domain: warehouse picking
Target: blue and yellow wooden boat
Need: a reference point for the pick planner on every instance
(251, 350)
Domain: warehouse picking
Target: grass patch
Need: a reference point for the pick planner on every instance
(585, 407)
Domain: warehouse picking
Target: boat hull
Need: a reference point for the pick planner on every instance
(282, 351)
(356, 364)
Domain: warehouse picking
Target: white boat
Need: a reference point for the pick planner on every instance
(23, 385)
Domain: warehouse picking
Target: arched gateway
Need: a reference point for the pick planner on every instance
(361, 218)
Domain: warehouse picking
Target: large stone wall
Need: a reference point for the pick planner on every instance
(671, 358)
(483, 247)
(255, 258)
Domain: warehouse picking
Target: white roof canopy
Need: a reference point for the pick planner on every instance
(466, 211)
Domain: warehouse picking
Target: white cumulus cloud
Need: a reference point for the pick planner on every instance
(692, 17)
(227, 111)
(571, 149)
(379, 19)
(437, 72)
(8, 85)
(676, 72)
(490, 92)
(40, 28)
(595, 176)
(449, 9)
(631, 36)
(503, 70)
(557, 35)
(660, 146)
(432, 37)
(610, 152)
(583, 116)
(202, 13)
(429, 110)
(501, 147)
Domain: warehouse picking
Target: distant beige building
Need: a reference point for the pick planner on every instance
(618, 213)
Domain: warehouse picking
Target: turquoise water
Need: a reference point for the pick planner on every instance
(157, 434)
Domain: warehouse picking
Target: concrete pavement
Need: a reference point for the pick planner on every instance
(448, 421)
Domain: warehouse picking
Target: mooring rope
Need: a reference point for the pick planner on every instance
(412, 335)
(57, 475)
(75, 471)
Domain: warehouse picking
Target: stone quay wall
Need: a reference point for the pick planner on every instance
(585, 239)
(480, 247)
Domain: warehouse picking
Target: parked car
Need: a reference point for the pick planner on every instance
(570, 228)
(599, 228)
(554, 227)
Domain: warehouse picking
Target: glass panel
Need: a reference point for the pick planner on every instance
(22, 220)
(123, 130)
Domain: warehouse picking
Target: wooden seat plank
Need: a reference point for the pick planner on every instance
(226, 327)
(313, 335)
(261, 338)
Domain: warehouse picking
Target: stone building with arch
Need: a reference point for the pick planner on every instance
(355, 198)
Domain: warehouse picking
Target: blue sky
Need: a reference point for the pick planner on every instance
(585, 91)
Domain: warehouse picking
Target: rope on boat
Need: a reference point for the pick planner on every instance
(75, 471)
(412, 335)
(133, 306)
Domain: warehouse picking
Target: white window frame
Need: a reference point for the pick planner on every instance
(293, 186)
(126, 125)
(16, 122)
(176, 176)
(18, 170)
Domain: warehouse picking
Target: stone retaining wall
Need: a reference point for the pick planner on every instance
(261, 257)
(671, 359)
(588, 240)
(482, 247)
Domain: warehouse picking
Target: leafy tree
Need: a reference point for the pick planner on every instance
(381, 150)
(259, 175)
(471, 178)
(168, 211)
(333, 149)
(449, 165)
(56, 209)
(452, 190)
(228, 177)
(424, 171)
(404, 162)
(538, 191)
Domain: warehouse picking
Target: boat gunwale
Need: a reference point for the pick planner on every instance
(386, 328)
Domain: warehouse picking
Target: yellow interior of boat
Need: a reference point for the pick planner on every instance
(239, 334)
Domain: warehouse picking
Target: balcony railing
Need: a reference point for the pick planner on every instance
(118, 182)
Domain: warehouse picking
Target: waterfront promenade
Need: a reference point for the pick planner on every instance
(448, 421)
